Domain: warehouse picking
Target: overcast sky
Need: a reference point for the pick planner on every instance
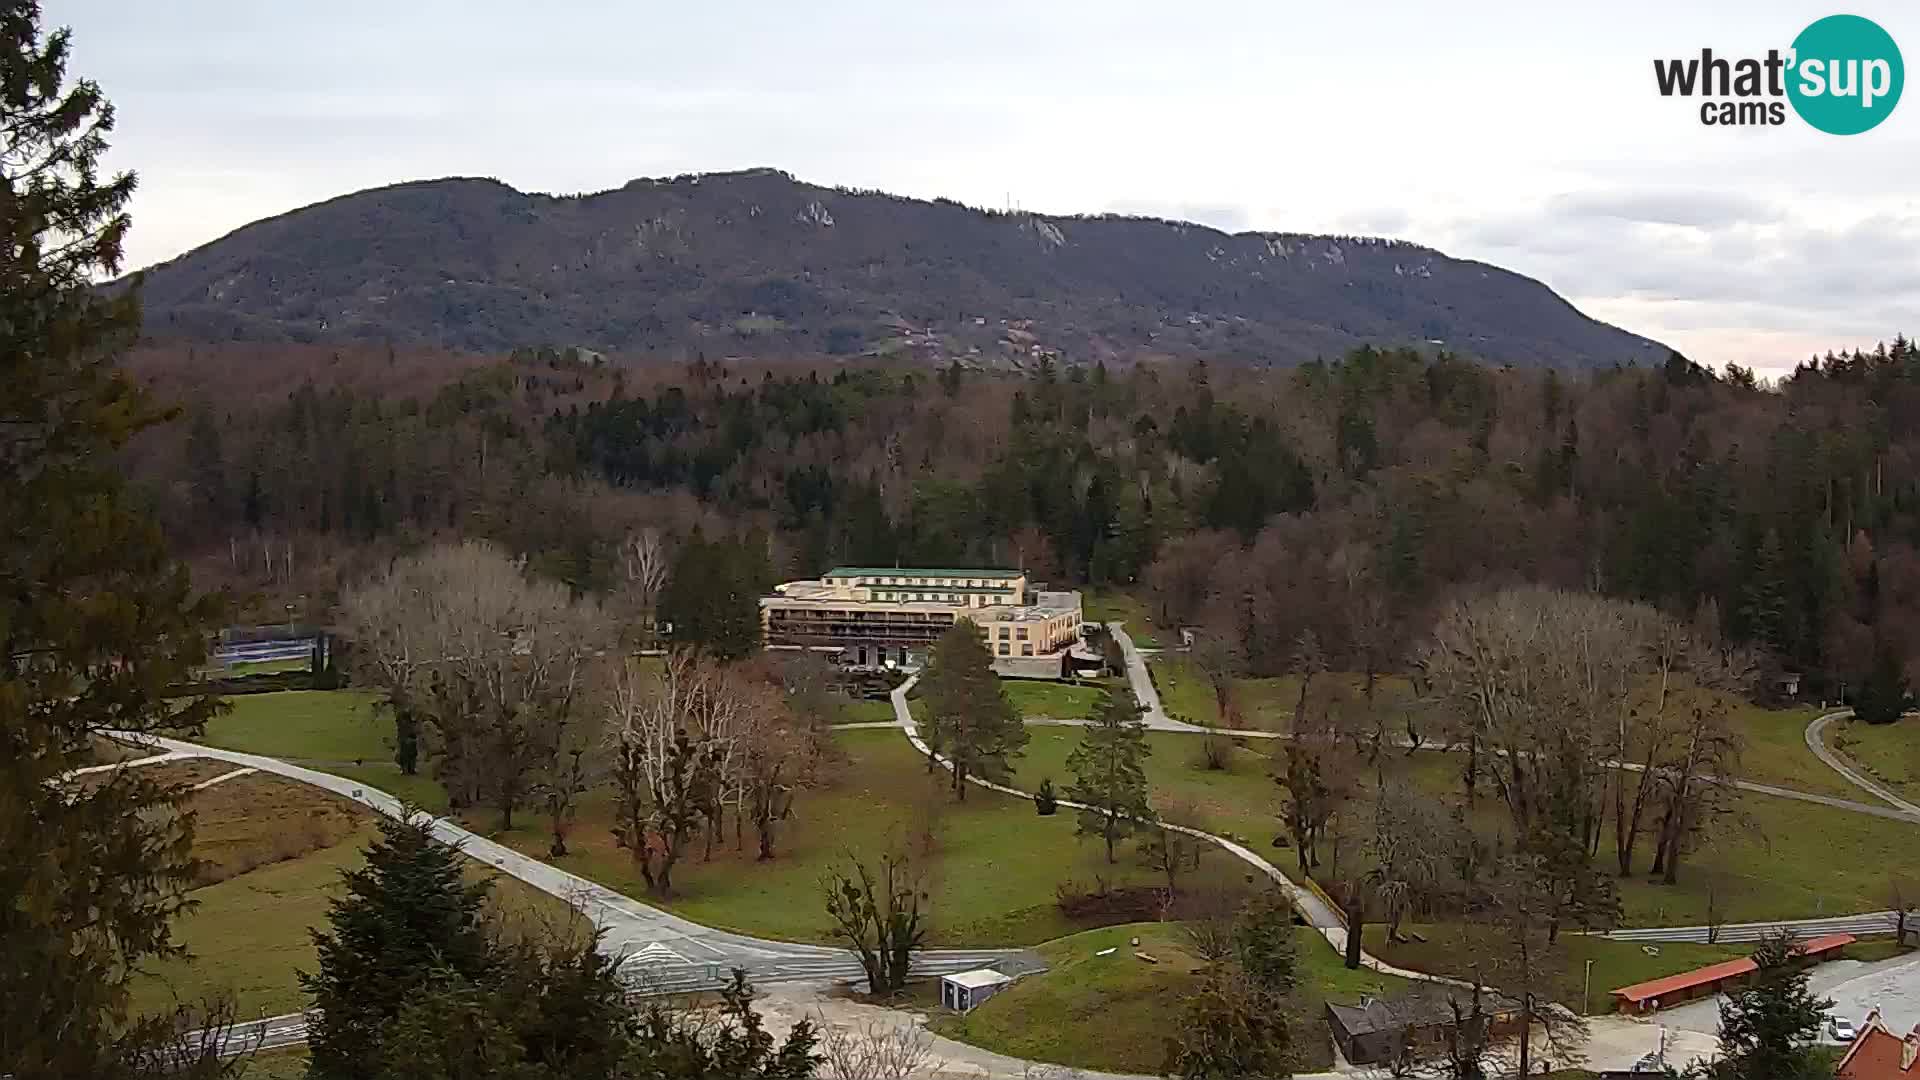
(1527, 134)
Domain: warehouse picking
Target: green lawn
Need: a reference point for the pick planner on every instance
(1241, 799)
(335, 726)
(992, 871)
(1052, 700)
(287, 1064)
(1888, 752)
(329, 730)
(1776, 752)
(866, 712)
(1769, 857)
(1114, 1012)
(249, 933)
(1265, 704)
(1269, 704)
(1105, 606)
(1454, 949)
(263, 667)
(1184, 692)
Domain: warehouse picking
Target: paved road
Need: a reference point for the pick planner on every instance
(1153, 713)
(1872, 922)
(1817, 742)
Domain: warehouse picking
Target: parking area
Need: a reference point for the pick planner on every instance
(1893, 986)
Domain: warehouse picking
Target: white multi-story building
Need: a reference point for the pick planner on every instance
(888, 616)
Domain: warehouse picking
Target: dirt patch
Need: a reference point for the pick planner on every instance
(257, 820)
(1102, 907)
(183, 771)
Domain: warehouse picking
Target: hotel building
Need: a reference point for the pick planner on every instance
(881, 616)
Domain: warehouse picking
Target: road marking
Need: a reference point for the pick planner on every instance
(655, 952)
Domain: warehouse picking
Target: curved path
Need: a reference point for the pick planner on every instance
(1817, 742)
(661, 952)
(1141, 682)
(1317, 912)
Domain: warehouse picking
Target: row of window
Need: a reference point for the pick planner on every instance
(935, 598)
(953, 583)
(1025, 649)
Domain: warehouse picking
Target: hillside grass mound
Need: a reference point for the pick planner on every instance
(1114, 1013)
(1890, 753)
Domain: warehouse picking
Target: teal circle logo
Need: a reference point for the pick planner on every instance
(1846, 75)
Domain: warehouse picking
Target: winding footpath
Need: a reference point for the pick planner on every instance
(1817, 742)
(1312, 908)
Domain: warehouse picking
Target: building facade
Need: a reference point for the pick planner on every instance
(881, 616)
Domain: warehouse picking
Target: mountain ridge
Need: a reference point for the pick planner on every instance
(755, 262)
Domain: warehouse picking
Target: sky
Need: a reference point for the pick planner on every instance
(1529, 135)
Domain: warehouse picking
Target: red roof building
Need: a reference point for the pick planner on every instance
(1712, 979)
(1879, 1054)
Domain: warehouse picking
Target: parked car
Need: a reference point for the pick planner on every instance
(1841, 1029)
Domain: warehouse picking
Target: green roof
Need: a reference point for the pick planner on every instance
(918, 572)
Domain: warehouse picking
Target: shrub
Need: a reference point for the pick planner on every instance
(1044, 800)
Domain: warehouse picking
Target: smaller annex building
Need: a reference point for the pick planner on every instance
(1414, 1025)
(1655, 994)
(1878, 1054)
(881, 617)
(963, 990)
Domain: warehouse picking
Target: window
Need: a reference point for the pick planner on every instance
(1003, 631)
(1026, 650)
(1003, 649)
(1022, 634)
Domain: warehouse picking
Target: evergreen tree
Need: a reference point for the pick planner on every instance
(1761, 613)
(1109, 773)
(408, 918)
(550, 1009)
(731, 1046)
(712, 595)
(96, 620)
(1883, 697)
(968, 715)
(1769, 1027)
(1263, 943)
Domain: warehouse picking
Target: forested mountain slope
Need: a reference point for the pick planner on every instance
(1348, 498)
(756, 263)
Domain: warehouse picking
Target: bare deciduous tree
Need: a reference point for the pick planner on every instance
(493, 663)
(1218, 655)
(1168, 848)
(881, 1050)
(879, 915)
(1903, 895)
(644, 563)
(662, 778)
(1406, 851)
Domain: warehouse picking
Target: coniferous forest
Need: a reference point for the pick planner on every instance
(1346, 497)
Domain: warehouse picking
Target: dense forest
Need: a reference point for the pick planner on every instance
(1345, 497)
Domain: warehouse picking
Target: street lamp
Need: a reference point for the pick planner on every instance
(1586, 996)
